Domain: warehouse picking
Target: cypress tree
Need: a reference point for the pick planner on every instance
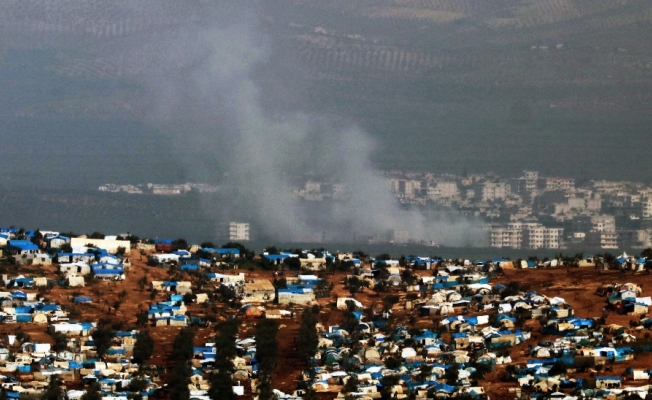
(53, 391)
(266, 345)
(308, 340)
(183, 345)
(267, 356)
(93, 392)
(144, 347)
(221, 380)
(179, 382)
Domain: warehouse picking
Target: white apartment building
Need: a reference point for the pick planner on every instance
(565, 184)
(408, 188)
(602, 240)
(527, 235)
(444, 190)
(239, 231)
(506, 238)
(646, 207)
(492, 191)
(603, 223)
(531, 180)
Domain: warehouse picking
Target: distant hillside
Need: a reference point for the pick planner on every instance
(563, 86)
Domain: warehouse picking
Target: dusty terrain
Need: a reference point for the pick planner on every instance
(576, 285)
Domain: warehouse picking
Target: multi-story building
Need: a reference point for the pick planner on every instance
(444, 190)
(639, 238)
(506, 238)
(602, 239)
(646, 207)
(407, 188)
(536, 236)
(531, 180)
(527, 235)
(239, 231)
(603, 223)
(564, 184)
(492, 191)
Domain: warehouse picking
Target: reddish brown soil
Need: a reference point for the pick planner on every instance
(576, 286)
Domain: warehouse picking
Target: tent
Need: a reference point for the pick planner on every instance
(408, 352)
(251, 311)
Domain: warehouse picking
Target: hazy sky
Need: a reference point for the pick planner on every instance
(253, 93)
(563, 87)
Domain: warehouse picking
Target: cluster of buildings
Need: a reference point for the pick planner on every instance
(159, 189)
(374, 351)
(527, 212)
(27, 366)
(315, 190)
(477, 325)
(536, 212)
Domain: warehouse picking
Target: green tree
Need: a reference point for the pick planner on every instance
(221, 386)
(102, 338)
(53, 391)
(452, 373)
(353, 284)
(179, 381)
(92, 392)
(144, 347)
(137, 384)
(60, 342)
(245, 253)
(267, 345)
(307, 340)
(221, 383)
(351, 385)
(266, 389)
(267, 355)
(142, 318)
(183, 345)
(292, 263)
(181, 244)
(425, 371)
(388, 381)
(142, 282)
(37, 237)
(310, 394)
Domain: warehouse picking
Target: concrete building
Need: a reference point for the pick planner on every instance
(239, 231)
(408, 188)
(444, 190)
(564, 184)
(603, 223)
(506, 238)
(639, 238)
(527, 235)
(492, 191)
(602, 239)
(531, 179)
(646, 207)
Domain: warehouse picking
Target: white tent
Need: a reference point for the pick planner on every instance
(408, 352)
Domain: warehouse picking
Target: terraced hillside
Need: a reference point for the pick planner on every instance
(474, 78)
(471, 77)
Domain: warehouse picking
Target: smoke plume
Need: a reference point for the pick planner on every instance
(199, 64)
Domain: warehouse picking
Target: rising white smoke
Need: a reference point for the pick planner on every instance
(199, 67)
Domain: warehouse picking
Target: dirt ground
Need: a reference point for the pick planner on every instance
(576, 286)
